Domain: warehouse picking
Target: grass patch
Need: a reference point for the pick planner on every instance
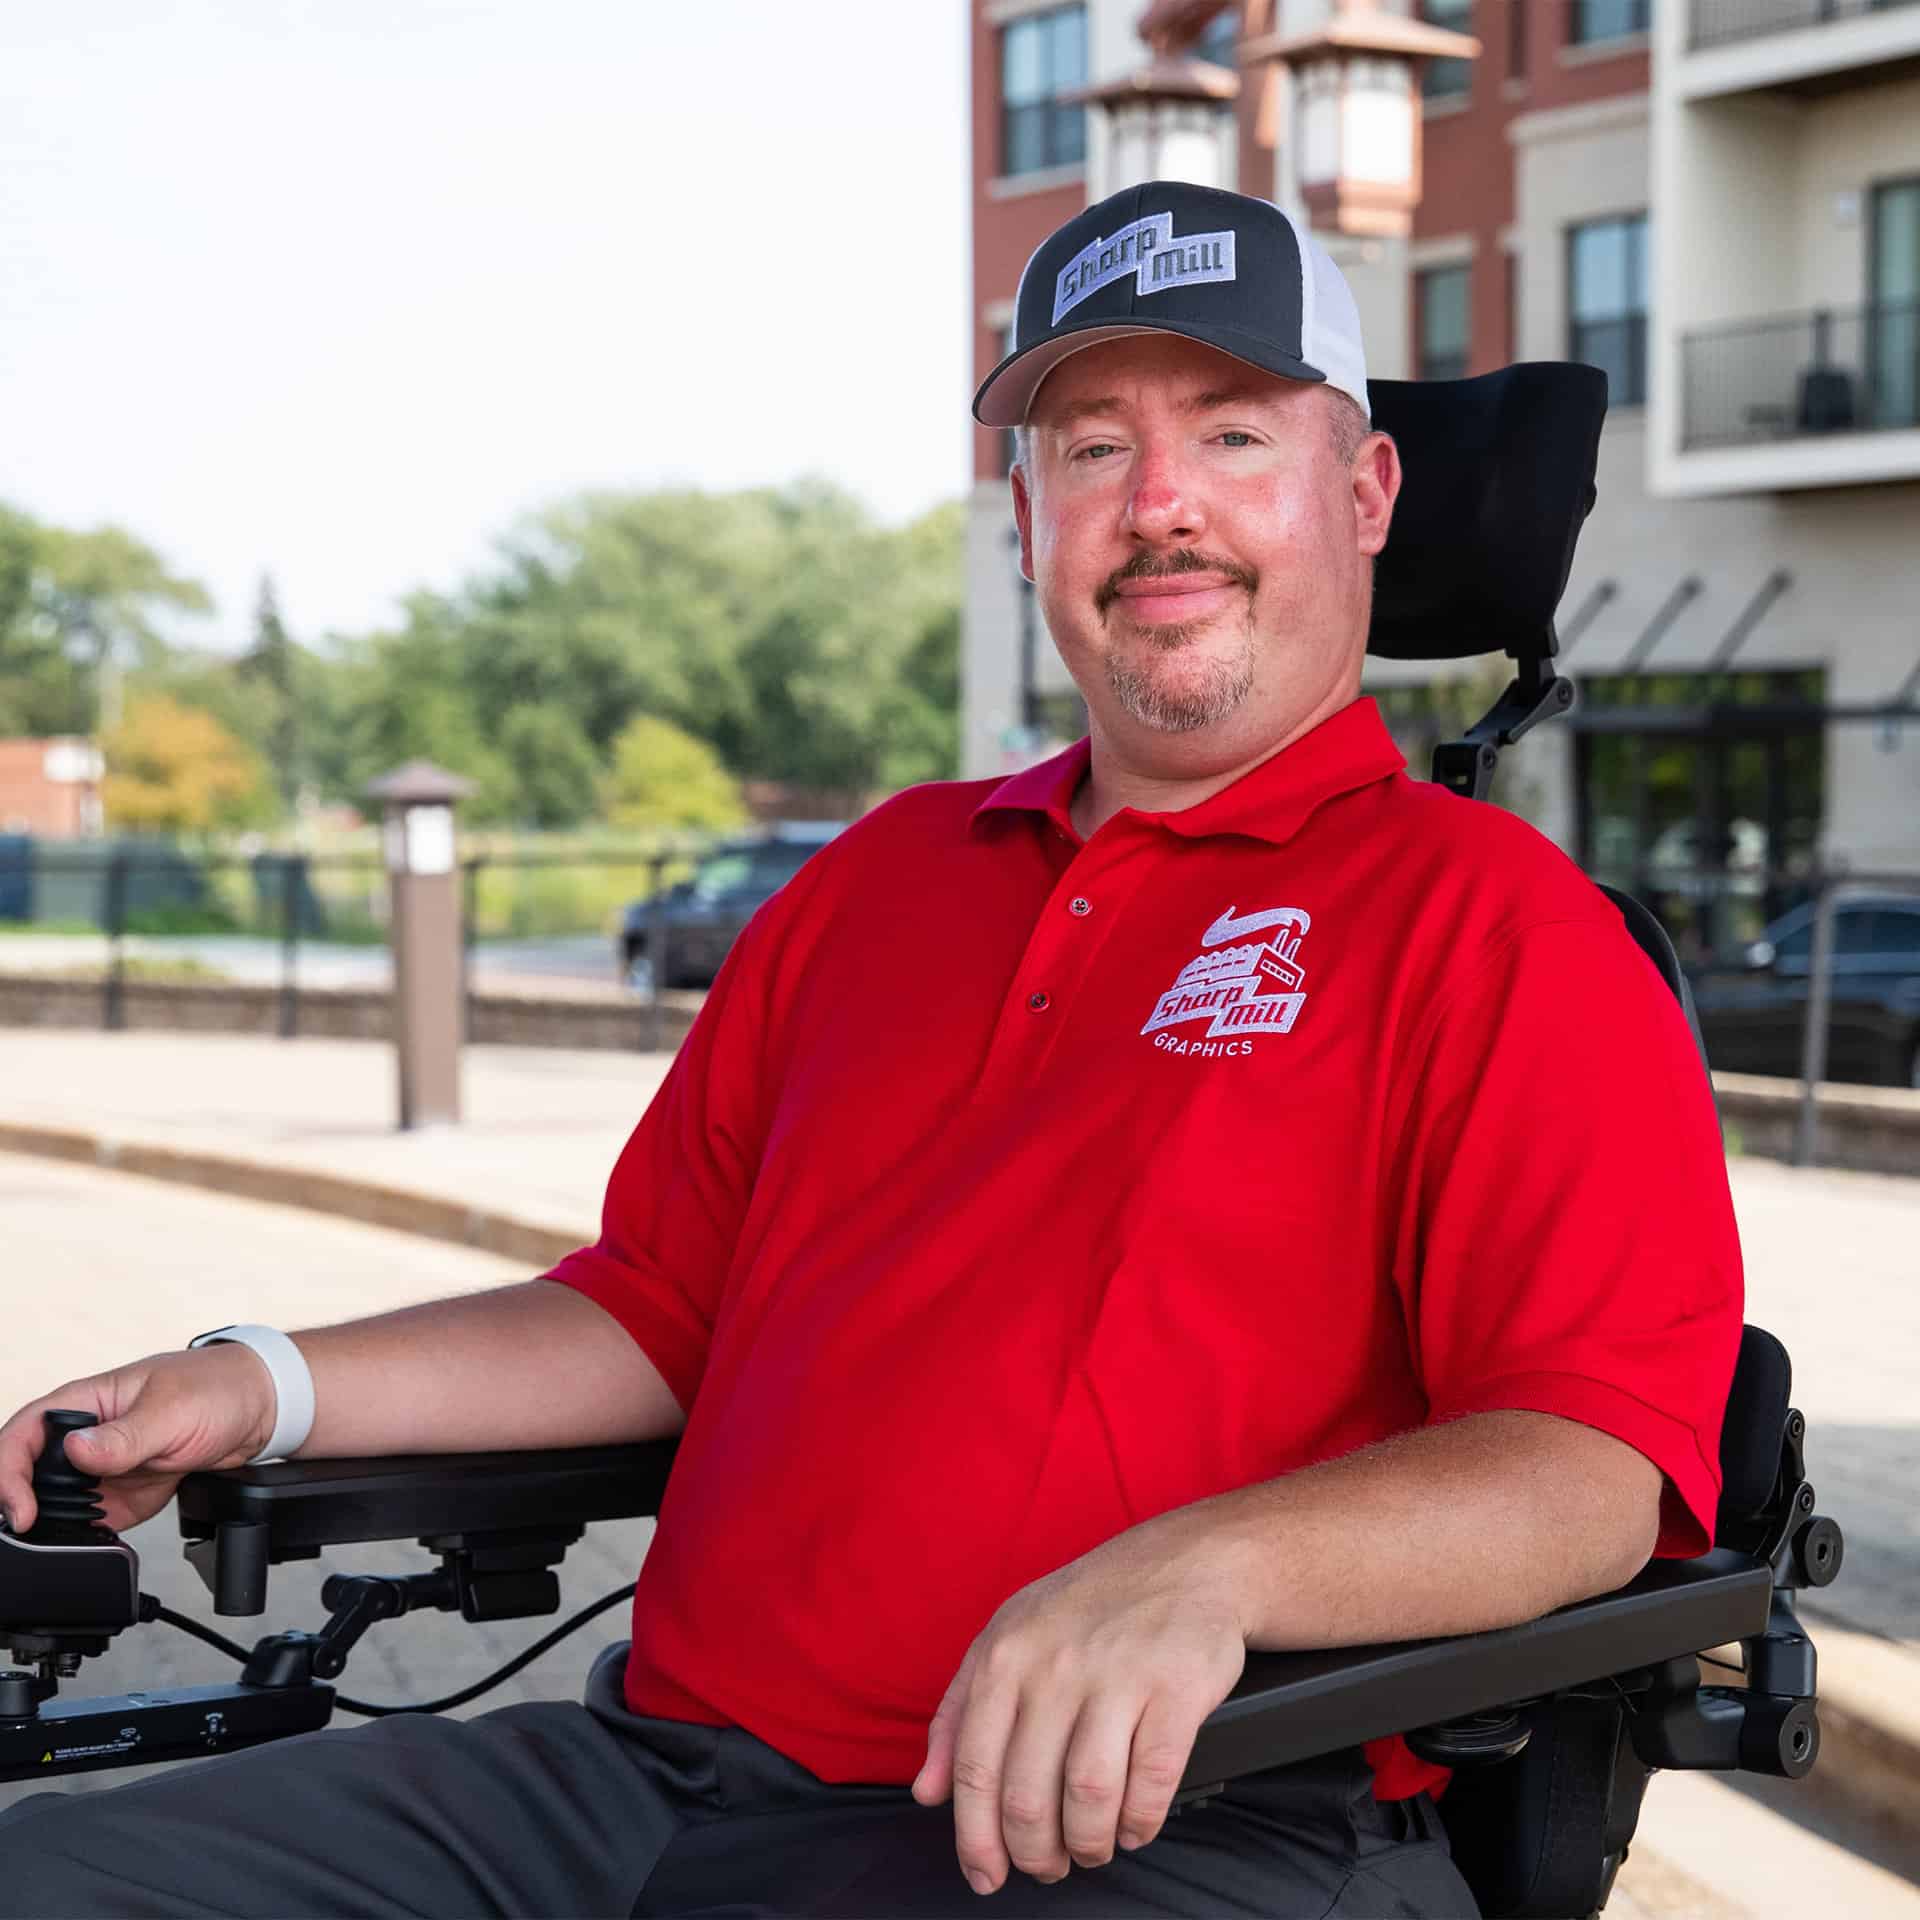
(141, 971)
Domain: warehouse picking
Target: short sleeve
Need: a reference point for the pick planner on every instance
(1564, 1234)
(680, 1189)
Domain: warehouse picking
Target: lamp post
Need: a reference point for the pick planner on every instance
(1357, 113)
(424, 927)
(1167, 120)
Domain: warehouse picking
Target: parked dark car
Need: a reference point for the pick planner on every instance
(704, 915)
(1753, 1014)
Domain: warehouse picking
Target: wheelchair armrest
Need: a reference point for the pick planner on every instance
(1285, 1707)
(239, 1522)
(1292, 1706)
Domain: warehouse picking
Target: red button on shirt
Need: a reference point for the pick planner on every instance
(1354, 1108)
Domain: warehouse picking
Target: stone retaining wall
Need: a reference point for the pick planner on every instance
(334, 1014)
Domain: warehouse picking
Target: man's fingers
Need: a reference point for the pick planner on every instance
(1030, 1816)
(1162, 1743)
(934, 1781)
(979, 1760)
(1095, 1777)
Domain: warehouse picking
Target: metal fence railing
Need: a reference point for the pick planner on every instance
(1837, 999)
(116, 916)
(1713, 23)
(1834, 370)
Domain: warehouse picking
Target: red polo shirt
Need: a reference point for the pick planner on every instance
(1011, 1189)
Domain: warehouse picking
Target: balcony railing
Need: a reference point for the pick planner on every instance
(1832, 371)
(1715, 22)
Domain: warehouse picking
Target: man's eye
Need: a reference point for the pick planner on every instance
(1238, 437)
(1097, 448)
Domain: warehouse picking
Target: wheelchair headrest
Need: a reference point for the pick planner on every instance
(1497, 479)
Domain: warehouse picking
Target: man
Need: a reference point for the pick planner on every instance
(1197, 1194)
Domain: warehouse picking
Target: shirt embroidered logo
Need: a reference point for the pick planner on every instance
(1224, 986)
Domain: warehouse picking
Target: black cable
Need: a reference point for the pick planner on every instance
(151, 1609)
(369, 1708)
(507, 1672)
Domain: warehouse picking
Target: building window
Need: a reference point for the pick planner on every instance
(1042, 57)
(1220, 39)
(1607, 303)
(1442, 298)
(1593, 20)
(1517, 39)
(1447, 79)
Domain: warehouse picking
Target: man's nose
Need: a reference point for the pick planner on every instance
(1164, 502)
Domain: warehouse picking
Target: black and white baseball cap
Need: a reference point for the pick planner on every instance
(1225, 269)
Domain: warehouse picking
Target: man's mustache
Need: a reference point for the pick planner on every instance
(1145, 566)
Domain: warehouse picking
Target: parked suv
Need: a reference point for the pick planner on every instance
(703, 916)
(1753, 1014)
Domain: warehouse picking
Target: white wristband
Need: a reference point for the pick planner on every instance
(292, 1384)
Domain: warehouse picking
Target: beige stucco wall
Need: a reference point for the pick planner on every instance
(1848, 141)
(1571, 164)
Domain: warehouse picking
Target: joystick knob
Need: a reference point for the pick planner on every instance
(68, 1499)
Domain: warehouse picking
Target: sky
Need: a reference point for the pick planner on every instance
(339, 289)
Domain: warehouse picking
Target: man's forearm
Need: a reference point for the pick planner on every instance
(532, 1365)
(1480, 1522)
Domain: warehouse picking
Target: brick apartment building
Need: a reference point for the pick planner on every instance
(1718, 201)
(49, 788)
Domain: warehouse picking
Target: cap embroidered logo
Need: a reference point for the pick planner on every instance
(1148, 250)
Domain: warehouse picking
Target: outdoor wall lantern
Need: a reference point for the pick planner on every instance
(1356, 114)
(1168, 120)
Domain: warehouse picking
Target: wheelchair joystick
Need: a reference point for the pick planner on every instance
(68, 1499)
(69, 1583)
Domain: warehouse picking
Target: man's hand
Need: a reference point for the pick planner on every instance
(1068, 1726)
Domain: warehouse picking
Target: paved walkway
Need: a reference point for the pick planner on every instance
(140, 1263)
(542, 1127)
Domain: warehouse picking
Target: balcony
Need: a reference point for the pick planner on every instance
(1715, 22)
(1828, 372)
(1794, 46)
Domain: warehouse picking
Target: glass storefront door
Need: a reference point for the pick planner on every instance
(1711, 821)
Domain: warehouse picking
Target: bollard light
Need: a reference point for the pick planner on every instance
(429, 983)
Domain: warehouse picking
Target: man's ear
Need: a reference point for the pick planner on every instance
(1376, 486)
(1023, 518)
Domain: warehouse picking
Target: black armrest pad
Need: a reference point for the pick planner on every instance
(1291, 1706)
(1286, 1706)
(309, 1504)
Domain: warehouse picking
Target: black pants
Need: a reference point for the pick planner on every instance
(556, 1809)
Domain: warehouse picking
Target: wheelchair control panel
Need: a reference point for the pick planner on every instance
(70, 1584)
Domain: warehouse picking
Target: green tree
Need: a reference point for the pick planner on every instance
(554, 765)
(270, 662)
(662, 777)
(76, 608)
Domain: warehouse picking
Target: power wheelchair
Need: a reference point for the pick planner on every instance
(1553, 1727)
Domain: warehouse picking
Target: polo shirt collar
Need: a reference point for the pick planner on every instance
(1348, 750)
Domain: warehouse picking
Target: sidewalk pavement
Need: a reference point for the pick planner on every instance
(1833, 1262)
